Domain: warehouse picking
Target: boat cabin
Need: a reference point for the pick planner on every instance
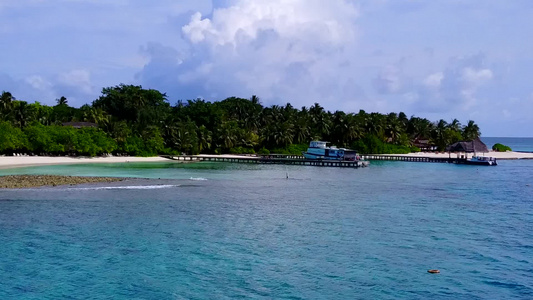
(319, 150)
(318, 144)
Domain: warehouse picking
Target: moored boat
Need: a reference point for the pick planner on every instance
(319, 150)
(482, 161)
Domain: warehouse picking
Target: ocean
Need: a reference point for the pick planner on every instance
(516, 144)
(225, 231)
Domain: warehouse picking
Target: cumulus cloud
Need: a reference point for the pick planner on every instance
(434, 80)
(298, 50)
(38, 82)
(290, 19)
(474, 76)
(344, 54)
(78, 79)
(454, 88)
(76, 85)
(388, 80)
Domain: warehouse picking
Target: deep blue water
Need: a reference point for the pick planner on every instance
(220, 231)
(517, 144)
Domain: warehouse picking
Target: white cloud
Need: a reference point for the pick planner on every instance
(474, 76)
(289, 18)
(79, 79)
(456, 88)
(298, 50)
(197, 29)
(389, 80)
(434, 80)
(384, 55)
(38, 82)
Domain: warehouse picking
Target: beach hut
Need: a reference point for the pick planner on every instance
(468, 147)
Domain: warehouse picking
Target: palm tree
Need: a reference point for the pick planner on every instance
(204, 138)
(471, 131)
(6, 104)
(455, 125)
(279, 134)
(255, 99)
(374, 124)
(302, 131)
(21, 113)
(393, 130)
(62, 101)
(228, 135)
(402, 118)
(355, 130)
(439, 134)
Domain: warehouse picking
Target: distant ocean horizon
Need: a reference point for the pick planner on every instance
(521, 144)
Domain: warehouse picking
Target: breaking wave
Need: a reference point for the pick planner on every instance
(129, 187)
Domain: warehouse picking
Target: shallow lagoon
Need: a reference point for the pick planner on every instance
(213, 230)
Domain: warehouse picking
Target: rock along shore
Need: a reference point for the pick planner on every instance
(29, 181)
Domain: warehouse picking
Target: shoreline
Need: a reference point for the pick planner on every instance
(12, 162)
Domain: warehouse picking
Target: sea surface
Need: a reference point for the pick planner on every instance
(226, 231)
(516, 144)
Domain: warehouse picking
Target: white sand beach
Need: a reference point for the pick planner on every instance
(7, 162)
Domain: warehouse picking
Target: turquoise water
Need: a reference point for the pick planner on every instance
(517, 144)
(220, 231)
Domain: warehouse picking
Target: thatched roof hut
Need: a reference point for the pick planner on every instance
(471, 146)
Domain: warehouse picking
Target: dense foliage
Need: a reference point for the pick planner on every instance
(135, 121)
(501, 148)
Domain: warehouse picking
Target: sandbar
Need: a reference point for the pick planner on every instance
(30, 181)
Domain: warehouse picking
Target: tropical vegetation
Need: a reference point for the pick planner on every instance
(130, 120)
(501, 148)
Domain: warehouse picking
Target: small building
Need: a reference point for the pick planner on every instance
(424, 144)
(79, 125)
(468, 147)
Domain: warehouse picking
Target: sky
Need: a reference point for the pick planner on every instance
(439, 59)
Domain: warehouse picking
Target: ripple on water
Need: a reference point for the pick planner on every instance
(250, 233)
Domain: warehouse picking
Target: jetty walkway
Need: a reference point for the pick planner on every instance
(452, 160)
(270, 159)
(300, 160)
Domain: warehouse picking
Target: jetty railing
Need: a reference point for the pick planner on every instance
(288, 159)
(271, 159)
(454, 160)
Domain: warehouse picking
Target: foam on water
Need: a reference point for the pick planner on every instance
(198, 179)
(97, 188)
(130, 187)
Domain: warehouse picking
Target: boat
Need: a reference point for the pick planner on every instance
(319, 150)
(482, 161)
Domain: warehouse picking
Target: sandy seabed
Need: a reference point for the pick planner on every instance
(30, 181)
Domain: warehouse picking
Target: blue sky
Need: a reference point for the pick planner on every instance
(435, 59)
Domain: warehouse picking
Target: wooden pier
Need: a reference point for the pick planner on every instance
(451, 160)
(271, 159)
(282, 159)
